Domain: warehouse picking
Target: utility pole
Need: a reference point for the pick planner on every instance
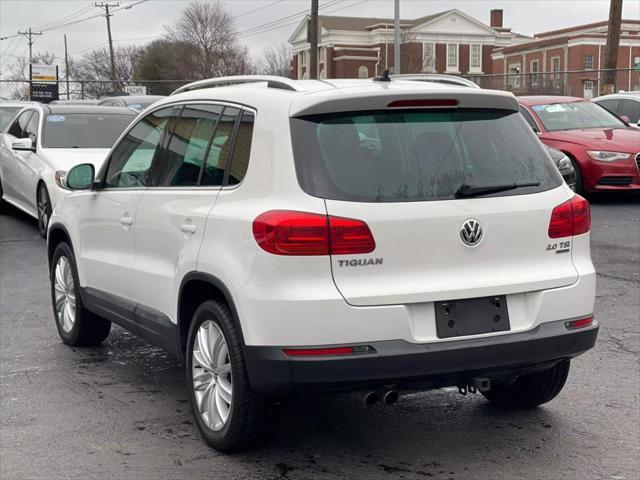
(313, 40)
(66, 64)
(29, 34)
(396, 50)
(613, 45)
(108, 16)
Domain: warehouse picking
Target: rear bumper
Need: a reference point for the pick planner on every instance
(418, 366)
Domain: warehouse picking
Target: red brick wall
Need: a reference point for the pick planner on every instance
(555, 52)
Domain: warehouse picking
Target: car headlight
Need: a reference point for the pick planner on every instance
(602, 156)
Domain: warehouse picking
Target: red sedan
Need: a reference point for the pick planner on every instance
(604, 150)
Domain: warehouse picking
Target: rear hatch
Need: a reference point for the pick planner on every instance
(428, 182)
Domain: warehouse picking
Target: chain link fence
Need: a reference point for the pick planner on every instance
(578, 83)
(89, 89)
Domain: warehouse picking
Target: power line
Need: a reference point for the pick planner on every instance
(108, 17)
(256, 9)
(29, 35)
(67, 17)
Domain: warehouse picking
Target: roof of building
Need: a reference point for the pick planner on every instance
(365, 23)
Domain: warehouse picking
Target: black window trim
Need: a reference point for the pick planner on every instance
(28, 110)
(100, 178)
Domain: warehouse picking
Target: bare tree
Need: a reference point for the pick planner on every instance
(276, 60)
(96, 66)
(19, 73)
(209, 44)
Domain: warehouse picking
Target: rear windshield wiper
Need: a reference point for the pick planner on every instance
(467, 190)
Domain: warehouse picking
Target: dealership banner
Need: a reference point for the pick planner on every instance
(44, 83)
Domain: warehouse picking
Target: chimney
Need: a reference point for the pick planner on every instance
(496, 18)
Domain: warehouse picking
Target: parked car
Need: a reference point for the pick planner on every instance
(8, 110)
(564, 165)
(290, 236)
(43, 142)
(625, 105)
(134, 102)
(605, 151)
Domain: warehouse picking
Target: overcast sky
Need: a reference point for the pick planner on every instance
(141, 23)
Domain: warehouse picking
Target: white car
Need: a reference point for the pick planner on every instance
(288, 236)
(625, 105)
(44, 140)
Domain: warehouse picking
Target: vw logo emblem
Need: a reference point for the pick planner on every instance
(471, 232)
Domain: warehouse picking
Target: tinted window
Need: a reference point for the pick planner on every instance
(220, 148)
(19, 125)
(575, 116)
(83, 130)
(130, 161)
(190, 142)
(610, 104)
(31, 130)
(241, 149)
(527, 116)
(631, 109)
(6, 114)
(417, 155)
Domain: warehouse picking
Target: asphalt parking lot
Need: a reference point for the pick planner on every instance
(121, 410)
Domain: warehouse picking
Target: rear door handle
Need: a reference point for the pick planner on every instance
(188, 228)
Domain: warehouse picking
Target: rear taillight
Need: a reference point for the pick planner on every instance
(287, 232)
(570, 218)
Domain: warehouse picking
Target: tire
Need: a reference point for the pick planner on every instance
(529, 391)
(579, 188)
(44, 209)
(219, 380)
(2, 202)
(76, 325)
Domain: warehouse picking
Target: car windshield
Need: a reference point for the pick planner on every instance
(84, 130)
(417, 155)
(6, 115)
(575, 116)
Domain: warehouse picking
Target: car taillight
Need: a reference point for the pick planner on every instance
(575, 324)
(322, 352)
(287, 232)
(570, 218)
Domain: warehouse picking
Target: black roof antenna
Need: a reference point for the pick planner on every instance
(383, 78)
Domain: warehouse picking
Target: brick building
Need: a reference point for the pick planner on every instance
(445, 42)
(579, 49)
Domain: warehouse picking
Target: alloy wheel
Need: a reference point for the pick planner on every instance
(211, 374)
(65, 295)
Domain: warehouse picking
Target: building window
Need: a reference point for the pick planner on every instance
(475, 58)
(323, 55)
(452, 56)
(429, 57)
(515, 69)
(534, 68)
(588, 62)
(363, 72)
(555, 65)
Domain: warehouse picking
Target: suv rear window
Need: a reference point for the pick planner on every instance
(417, 155)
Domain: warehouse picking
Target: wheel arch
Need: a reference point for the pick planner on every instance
(57, 235)
(195, 288)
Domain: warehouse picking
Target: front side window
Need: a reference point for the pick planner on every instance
(575, 116)
(131, 160)
(181, 162)
(18, 127)
(630, 108)
(241, 149)
(452, 56)
(83, 130)
(31, 130)
(403, 156)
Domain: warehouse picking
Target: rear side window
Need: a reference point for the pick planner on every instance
(417, 155)
(241, 149)
(181, 162)
(610, 104)
(218, 154)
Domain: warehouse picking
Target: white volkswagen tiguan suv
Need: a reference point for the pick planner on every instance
(309, 236)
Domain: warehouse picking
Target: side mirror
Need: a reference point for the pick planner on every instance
(625, 119)
(23, 145)
(80, 177)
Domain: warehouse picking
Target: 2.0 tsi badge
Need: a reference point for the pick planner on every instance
(471, 232)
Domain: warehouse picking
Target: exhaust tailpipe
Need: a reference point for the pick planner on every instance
(390, 397)
(371, 397)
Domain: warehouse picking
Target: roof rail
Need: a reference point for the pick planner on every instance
(272, 82)
(436, 78)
